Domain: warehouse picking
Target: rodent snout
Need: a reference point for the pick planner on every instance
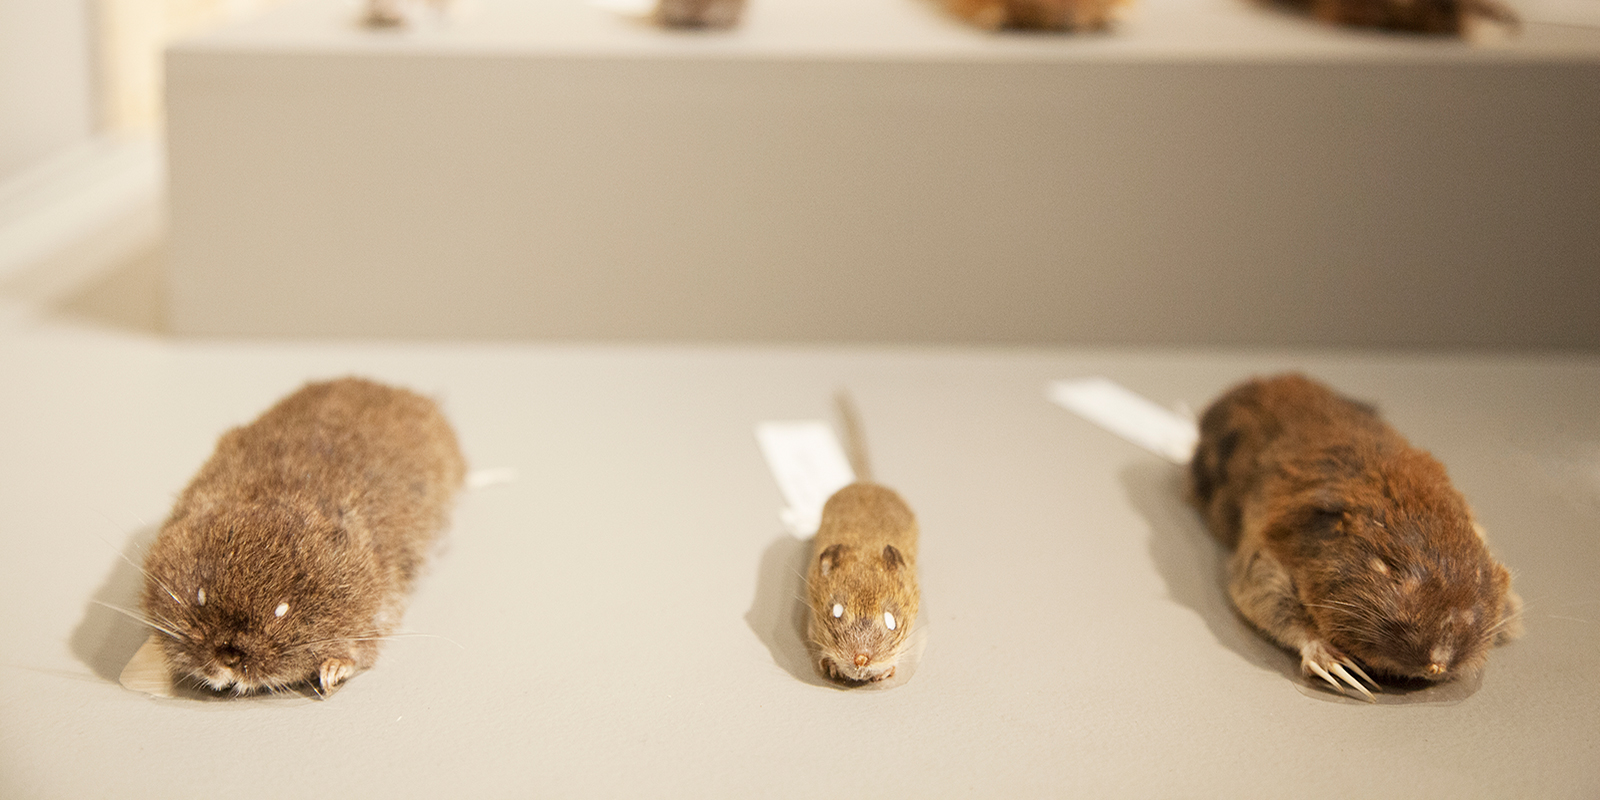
(230, 656)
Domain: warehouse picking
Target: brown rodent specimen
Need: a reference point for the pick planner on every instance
(1060, 15)
(1352, 547)
(393, 13)
(1453, 17)
(290, 556)
(699, 13)
(862, 584)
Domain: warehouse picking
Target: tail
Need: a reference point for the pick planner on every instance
(855, 442)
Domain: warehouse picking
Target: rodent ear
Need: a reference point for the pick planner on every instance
(1328, 501)
(892, 558)
(831, 557)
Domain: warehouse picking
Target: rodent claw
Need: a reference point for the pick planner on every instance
(1364, 676)
(1338, 669)
(1317, 668)
(1323, 661)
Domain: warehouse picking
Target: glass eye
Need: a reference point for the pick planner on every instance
(888, 619)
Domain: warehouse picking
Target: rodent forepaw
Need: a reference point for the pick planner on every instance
(335, 671)
(1320, 659)
(829, 670)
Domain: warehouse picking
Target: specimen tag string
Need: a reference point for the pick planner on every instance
(809, 466)
(1111, 406)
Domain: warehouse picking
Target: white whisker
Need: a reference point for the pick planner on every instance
(143, 620)
(142, 570)
(378, 637)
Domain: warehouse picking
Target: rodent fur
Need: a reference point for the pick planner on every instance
(864, 564)
(1451, 17)
(1060, 15)
(1349, 542)
(699, 13)
(304, 530)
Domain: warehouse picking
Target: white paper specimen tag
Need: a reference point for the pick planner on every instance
(1107, 404)
(809, 466)
(147, 671)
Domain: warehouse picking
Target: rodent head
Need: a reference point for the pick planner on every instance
(863, 604)
(1412, 611)
(250, 598)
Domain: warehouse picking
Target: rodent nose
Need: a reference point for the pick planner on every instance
(229, 655)
(1435, 670)
(862, 660)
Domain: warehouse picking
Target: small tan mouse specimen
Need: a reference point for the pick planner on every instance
(1056, 15)
(862, 585)
(699, 13)
(1351, 546)
(290, 556)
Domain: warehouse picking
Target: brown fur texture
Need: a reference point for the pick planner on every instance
(1351, 545)
(291, 555)
(1053, 15)
(1452, 17)
(699, 13)
(864, 564)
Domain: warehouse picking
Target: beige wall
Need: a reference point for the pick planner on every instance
(726, 198)
(46, 80)
(71, 68)
(132, 34)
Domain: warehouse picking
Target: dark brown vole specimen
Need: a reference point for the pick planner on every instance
(699, 13)
(290, 556)
(1352, 547)
(1058, 15)
(862, 584)
(1453, 17)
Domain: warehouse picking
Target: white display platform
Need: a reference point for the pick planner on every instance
(870, 170)
(619, 621)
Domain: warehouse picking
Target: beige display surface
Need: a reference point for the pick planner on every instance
(620, 619)
(870, 170)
